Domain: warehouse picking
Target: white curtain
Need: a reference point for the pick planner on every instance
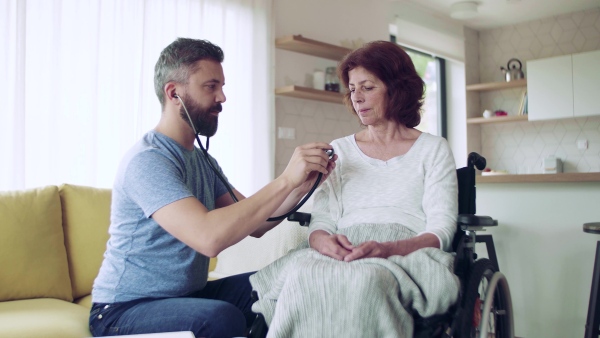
(76, 78)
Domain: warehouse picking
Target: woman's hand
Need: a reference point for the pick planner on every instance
(401, 247)
(370, 249)
(334, 246)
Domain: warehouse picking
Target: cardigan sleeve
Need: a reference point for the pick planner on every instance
(440, 195)
(327, 205)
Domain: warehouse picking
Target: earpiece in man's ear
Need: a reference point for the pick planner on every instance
(175, 96)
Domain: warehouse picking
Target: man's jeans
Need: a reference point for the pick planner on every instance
(221, 309)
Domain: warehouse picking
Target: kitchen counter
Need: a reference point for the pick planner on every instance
(542, 249)
(540, 178)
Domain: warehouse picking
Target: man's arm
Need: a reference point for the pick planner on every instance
(225, 200)
(290, 202)
(294, 198)
(210, 232)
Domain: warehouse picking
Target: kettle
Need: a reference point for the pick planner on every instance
(511, 72)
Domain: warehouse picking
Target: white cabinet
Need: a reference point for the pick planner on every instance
(550, 88)
(586, 84)
(564, 86)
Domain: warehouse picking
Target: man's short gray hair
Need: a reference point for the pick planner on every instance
(177, 62)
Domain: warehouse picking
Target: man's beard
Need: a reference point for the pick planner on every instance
(204, 123)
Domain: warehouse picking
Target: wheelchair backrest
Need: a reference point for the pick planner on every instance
(466, 191)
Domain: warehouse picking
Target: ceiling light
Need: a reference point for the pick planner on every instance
(463, 10)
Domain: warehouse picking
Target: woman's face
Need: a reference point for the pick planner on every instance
(369, 96)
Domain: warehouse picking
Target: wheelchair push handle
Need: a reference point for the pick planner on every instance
(476, 160)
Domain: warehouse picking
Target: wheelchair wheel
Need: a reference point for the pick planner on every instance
(487, 303)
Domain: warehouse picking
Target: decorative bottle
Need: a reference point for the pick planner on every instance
(332, 83)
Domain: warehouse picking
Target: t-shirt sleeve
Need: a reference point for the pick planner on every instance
(220, 188)
(153, 181)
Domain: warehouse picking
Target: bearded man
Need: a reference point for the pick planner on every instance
(172, 209)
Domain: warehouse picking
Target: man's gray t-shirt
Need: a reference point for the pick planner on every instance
(142, 260)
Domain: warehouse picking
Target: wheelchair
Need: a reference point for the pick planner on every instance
(484, 306)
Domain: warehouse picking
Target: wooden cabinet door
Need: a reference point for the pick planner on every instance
(550, 88)
(586, 84)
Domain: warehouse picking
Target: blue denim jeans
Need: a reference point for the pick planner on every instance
(221, 309)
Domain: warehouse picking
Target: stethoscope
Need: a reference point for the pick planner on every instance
(224, 181)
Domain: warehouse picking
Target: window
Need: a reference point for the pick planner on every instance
(432, 70)
(78, 81)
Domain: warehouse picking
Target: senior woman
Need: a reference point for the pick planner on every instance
(381, 222)
(388, 172)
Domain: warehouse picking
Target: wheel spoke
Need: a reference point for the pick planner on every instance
(484, 296)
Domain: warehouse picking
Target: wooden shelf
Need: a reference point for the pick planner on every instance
(540, 178)
(300, 44)
(479, 87)
(497, 119)
(310, 94)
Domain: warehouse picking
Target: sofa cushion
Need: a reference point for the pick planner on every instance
(49, 318)
(86, 218)
(85, 301)
(33, 258)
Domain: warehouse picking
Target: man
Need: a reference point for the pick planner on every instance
(170, 212)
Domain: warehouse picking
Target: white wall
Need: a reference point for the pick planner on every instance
(332, 21)
(543, 251)
(456, 108)
(421, 29)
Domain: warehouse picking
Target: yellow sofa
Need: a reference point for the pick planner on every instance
(52, 241)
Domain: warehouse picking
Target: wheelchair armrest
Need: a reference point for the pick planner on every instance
(475, 222)
(301, 217)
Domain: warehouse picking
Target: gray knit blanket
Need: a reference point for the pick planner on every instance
(307, 294)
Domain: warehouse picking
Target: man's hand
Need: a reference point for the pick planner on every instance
(312, 177)
(306, 163)
(334, 246)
